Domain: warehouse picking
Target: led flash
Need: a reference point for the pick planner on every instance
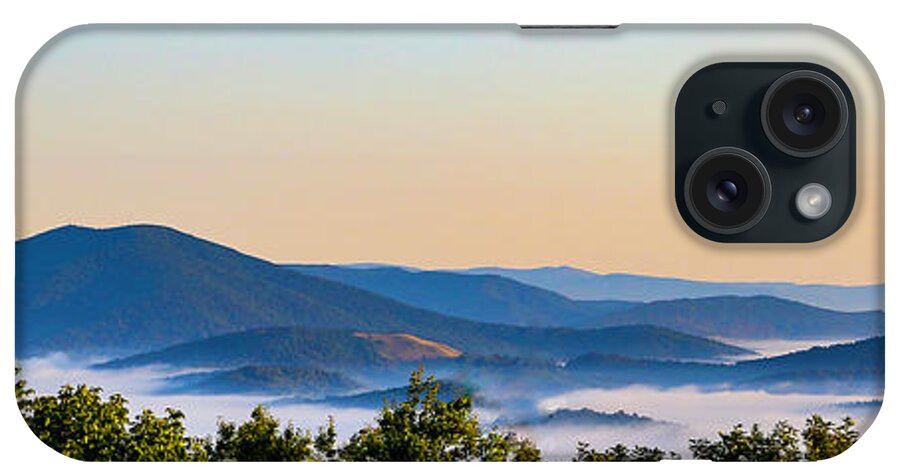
(813, 201)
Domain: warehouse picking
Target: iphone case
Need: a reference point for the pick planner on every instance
(421, 243)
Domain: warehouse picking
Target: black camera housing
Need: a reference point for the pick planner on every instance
(726, 105)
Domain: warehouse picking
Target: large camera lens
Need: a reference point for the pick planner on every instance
(804, 113)
(727, 190)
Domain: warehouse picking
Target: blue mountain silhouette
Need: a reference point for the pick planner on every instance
(496, 299)
(585, 285)
(137, 288)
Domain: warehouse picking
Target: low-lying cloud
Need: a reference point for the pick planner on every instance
(140, 387)
(687, 412)
(690, 413)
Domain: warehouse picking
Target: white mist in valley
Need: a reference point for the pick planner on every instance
(687, 412)
(683, 413)
(776, 347)
(141, 386)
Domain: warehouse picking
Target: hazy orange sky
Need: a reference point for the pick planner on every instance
(428, 147)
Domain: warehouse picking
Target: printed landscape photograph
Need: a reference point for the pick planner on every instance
(406, 244)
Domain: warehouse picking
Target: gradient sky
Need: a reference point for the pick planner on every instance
(433, 147)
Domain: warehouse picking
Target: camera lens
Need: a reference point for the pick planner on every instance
(727, 190)
(804, 113)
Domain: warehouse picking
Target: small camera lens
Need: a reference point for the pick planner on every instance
(727, 190)
(804, 113)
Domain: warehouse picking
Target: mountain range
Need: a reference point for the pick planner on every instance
(853, 368)
(142, 288)
(839, 368)
(348, 336)
(152, 295)
(343, 349)
(267, 380)
(755, 317)
(498, 299)
(585, 285)
(486, 298)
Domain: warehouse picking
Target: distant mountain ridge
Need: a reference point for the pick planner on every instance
(337, 348)
(865, 355)
(144, 287)
(849, 369)
(497, 299)
(485, 298)
(853, 368)
(846, 368)
(582, 417)
(585, 285)
(758, 317)
(272, 380)
(270, 346)
(448, 390)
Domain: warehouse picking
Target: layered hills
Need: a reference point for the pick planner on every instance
(498, 299)
(145, 287)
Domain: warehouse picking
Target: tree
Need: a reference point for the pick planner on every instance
(505, 446)
(154, 438)
(824, 439)
(23, 393)
(524, 449)
(222, 447)
(821, 439)
(426, 428)
(325, 442)
(620, 452)
(782, 444)
(260, 439)
(78, 423)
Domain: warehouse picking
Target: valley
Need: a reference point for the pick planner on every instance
(176, 318)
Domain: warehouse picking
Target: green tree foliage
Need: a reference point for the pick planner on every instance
(326, 442)
(620, 452)
(782, 444)
(821, 439)
(524, 450)
(426, 428)
(261, 439)
(23, 393)
(824, 439)
(78, 422)
(155, 438)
